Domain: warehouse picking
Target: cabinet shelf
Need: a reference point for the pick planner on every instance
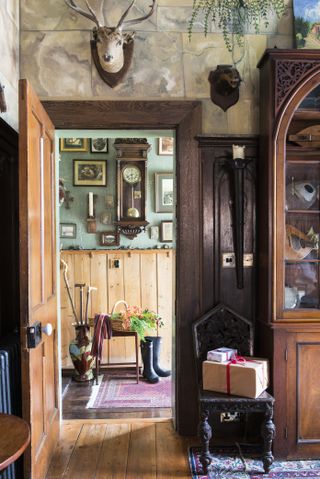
(304, 212)
(307, 115)
(293, 261)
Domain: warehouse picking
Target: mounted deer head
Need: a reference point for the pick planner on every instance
(111, 48)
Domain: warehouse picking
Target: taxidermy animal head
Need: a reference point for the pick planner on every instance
(111, 48)
(225, 82)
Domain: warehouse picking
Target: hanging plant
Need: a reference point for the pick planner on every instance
(234, 16)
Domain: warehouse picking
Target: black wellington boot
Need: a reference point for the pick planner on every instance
(147, 357)
(156, 340)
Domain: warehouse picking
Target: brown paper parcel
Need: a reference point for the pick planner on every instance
(248, 379)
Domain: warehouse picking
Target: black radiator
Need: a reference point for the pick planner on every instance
(10, 389)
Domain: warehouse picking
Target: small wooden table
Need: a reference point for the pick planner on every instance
(14, 439)
(135, 363)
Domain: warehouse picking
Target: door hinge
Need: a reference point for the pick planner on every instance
(286, 354)
(286, 432)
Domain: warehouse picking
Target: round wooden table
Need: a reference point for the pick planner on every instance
(14, 439)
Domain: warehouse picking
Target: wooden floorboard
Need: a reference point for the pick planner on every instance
(124, 450)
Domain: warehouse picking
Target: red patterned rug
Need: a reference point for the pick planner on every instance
(228, 463)
(115, 393)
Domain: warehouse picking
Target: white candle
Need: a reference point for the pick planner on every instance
(238, 151)
(91, 205)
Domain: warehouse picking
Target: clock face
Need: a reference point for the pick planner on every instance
(131, 174)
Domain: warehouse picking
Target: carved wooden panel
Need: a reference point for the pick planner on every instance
(288, 74)
(219, 327)
(219, 282)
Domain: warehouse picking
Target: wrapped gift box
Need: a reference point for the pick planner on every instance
(247, 378)
(221, 354)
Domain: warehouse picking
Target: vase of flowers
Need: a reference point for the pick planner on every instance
(136, 319)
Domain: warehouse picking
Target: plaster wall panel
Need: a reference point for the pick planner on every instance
(57, 63)
(166, 64)
(9, 54)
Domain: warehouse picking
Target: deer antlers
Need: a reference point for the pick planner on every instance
(91, 14)
(93, 17)
(121, 22)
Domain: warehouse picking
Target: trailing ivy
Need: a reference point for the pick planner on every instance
(234, 16)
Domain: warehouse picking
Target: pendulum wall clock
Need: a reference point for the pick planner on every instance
(132, 155)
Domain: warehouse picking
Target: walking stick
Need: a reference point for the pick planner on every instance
(90, 288)
(65, 277)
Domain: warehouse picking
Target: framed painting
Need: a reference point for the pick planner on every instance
(166, 231)
(164, 192)
(74, 144)
(68, 230)
(307, 23)
(89, 173)
(99, 145)
(165, 146)
(109, 238)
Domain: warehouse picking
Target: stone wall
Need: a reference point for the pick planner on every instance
(56, 58)
(9, 58)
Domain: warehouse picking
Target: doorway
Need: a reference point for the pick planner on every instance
(185, 118)
(137, 273)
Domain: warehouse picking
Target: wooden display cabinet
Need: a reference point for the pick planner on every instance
(289, 229)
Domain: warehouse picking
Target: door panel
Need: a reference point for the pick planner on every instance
(37, 279)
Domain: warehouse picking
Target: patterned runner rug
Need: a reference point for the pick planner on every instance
(117, 392)
(230, 463)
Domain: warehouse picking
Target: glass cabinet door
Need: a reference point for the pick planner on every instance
(302, 207)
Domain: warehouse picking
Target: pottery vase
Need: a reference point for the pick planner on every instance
(80, 353)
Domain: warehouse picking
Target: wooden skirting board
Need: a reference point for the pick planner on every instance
(145, 278)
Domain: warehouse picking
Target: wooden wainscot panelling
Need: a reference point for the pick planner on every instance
(144, 278)
(219, 282)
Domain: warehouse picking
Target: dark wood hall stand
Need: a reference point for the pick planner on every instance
(14, 439)
(135, 363)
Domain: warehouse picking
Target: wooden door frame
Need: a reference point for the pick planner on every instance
(185, 118)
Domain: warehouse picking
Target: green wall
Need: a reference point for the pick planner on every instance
(78, 212)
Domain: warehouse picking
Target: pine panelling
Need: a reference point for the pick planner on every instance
(67, 319)
(81, 275)
(116, 292)
(165, 304)
(132, 292)
(145, 278)
(99, 298)
(149, 290)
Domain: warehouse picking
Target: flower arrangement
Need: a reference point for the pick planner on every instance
(234, 16)
(138, 320)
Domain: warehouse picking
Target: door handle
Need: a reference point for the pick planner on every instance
(47, 329)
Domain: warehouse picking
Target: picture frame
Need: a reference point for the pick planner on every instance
(110, 238)
(89, 173)
(154, 233)
(74, 144)
(166, 231)
(164, 194)
(306, 24)
(68, 230)
(165, 146)
(99, 145)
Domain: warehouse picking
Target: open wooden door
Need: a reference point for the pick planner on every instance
(38, 306)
